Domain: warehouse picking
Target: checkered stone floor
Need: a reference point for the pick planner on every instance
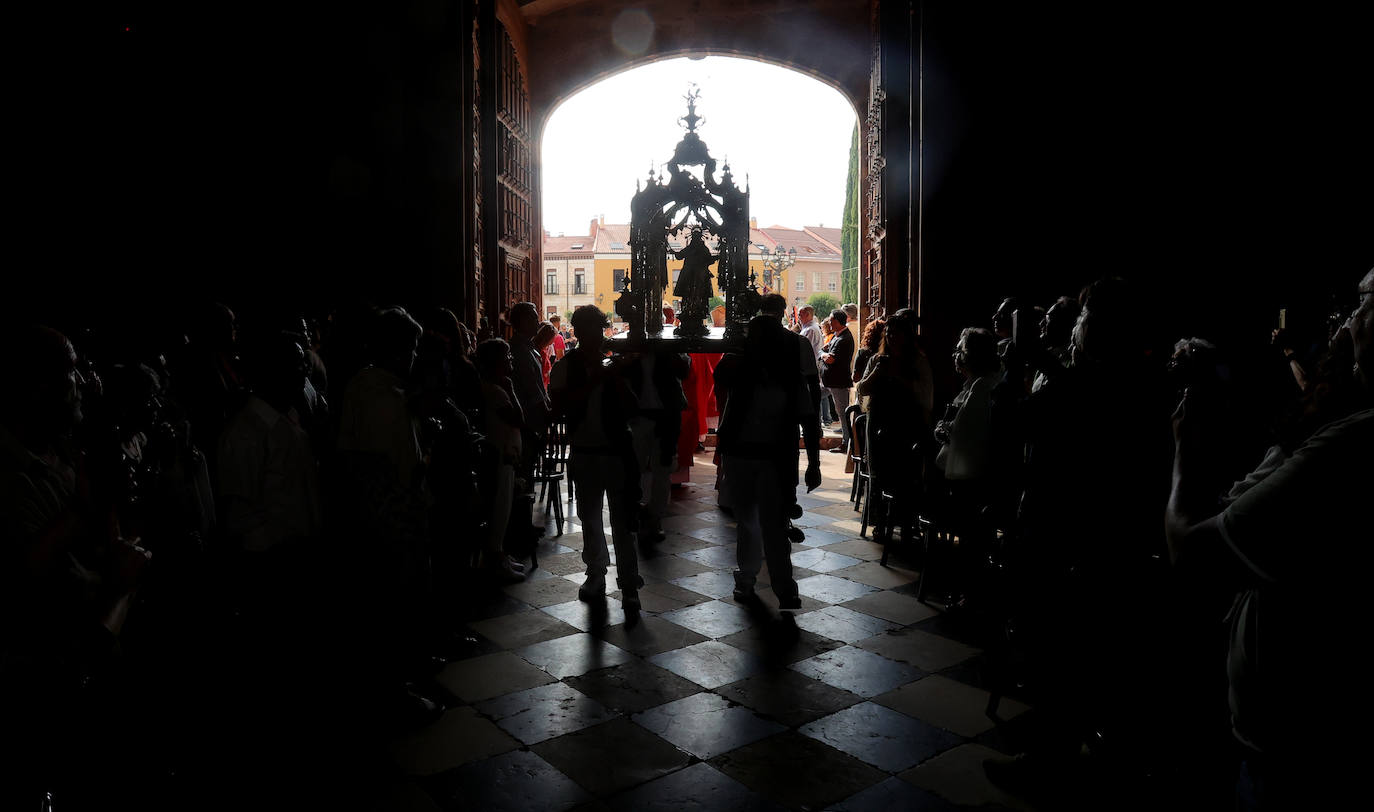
(864, 702)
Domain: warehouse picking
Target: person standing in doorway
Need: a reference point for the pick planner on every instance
(767, 399)
(837, 360)
(597, 401)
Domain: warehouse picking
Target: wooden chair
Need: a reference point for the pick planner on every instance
(858, 423)
(553, 468)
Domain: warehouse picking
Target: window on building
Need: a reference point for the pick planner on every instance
(801, 282)
(815, 280)
(551, 282)
(831, 284)
(579, 281)
(620, 276)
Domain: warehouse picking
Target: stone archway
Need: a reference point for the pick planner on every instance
(573, 44)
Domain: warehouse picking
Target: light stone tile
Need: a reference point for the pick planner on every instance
(928, 652)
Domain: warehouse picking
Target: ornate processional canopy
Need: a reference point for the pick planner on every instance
(689, 207)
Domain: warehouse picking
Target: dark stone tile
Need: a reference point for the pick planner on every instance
(891, 795)
(633, 686)
(490, 676)
(967, 629)
(949, 704)
(678, 543)
(649, 636)
(698, 788)
(612, 756)
(857, 671)
(780, 642)
(516, 780)
(875, 574)
(458, 737)
(705, 724)
(523, 629)
(797, 771)
(788, 697)
(545, 712)
(574, 654)
(709, 664)
(496, 604)
(669, 567)
(563, 563)
(712, 619)
(683, 524)
(881, 736)
(957, 776)
(665, 597)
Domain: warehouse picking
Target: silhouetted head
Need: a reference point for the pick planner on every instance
(1056, 328)
(43, 383)
(770, 304)
(1001, 320)
(838, 319)
(851, 311)
(276, 368)
(524, 319)
(393, 339)
(494, 360)
(976, 353)
(215, 329)
(543, 336)
(899, 336)
(1110, 328)
(588, 322)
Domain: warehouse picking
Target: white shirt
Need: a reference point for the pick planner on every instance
(812, 332)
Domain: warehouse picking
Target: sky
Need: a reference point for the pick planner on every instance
(788, 132)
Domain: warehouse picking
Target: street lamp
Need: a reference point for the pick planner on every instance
(775, 264)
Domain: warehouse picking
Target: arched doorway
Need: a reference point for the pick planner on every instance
(783, 132)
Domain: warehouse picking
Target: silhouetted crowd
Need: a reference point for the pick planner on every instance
(202, 529)
(1133, 531)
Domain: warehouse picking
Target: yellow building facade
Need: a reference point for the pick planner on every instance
(612, 264)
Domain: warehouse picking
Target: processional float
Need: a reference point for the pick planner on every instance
(678, 204)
